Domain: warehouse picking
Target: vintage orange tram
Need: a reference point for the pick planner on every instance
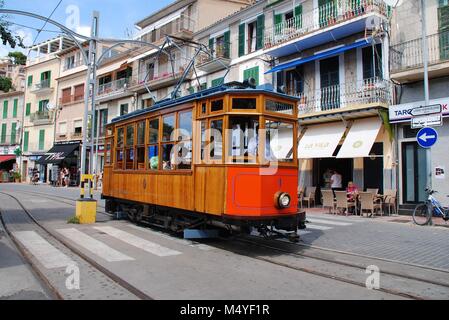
(224, 155)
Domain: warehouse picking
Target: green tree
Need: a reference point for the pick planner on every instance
(6, 34)
(19, 57)
(5, 84)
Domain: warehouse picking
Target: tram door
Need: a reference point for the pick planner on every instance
(414, 172)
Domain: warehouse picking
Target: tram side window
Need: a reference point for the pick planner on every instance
(216, 105)
(203, 140)
(279, 141)
(140, 145)
(216, 140)
(108, 149)
(129, 153)
(153, 147)
(244, 103)
(184, 145)
(119, 149)
(168, 137)
(244, 139)
(168, 128)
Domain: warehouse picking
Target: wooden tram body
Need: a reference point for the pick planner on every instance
(236, 179)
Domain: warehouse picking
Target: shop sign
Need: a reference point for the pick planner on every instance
(426, 110)
(404, 112)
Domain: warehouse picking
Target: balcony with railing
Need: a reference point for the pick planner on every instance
(362, 95)
(157, 81)
(113, 89)
(327, 23)
(41, 117)
(407, 57)
(43, 86)
(182, 27)
(220, 59)
(76, 136)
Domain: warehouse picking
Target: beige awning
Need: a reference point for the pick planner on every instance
(361, 138)
(110, 68)
(320, 141)
(143, 55)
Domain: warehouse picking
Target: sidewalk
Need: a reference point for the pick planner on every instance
(437, 221)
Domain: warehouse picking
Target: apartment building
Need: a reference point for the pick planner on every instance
(13, 71)
(41, 101)
(407, 71)
(333, 54)
(125, 77)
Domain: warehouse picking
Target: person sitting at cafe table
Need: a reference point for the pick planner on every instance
(352, 191)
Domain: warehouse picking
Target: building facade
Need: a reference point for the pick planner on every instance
(407, 71)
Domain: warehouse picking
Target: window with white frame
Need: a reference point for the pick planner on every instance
(63, 128)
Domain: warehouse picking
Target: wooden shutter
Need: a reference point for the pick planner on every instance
(28, 109)
(79, 92)
(3, 136)
(14, 110)
(298, 17)
(211, 44)
(443, 26)
(227, 44)
(260, 31)
(252, 73)
(41, 139)
(30, 80)
(41, 109)
(241, 39)
(277, 23)
(66, 93)
(13, 132)
(217, 82)
(5, 109)
(26, 138)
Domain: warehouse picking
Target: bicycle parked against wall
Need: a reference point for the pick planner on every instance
(423, 212)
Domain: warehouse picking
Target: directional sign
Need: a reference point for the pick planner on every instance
(431, 120)
(422, 111)
(427, 137)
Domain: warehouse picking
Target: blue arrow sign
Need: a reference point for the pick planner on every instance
(427, 137)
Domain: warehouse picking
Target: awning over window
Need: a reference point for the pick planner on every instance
(7, 158)
(322, 55)
(361, 138)
(320, 141)
(58, 153)
(110, 68)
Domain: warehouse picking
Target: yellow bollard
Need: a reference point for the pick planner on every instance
(86, 208)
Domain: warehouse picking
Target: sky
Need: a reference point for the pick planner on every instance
(117, 17)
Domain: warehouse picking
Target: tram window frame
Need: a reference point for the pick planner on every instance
(130, 148)
(294, 142)
(210, 159)
(167, 164)
(212, 111)
(246, 157)
(140, 144)
(256, 106)
(119, 148)
(153, 146)
(109, 142)
(185, 140)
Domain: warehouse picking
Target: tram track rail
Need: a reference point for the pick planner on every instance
(255, 241)
(120, 281)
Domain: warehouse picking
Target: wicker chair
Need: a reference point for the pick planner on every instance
(390, 196)
(367, 203)
(343, 203)
(328, 200)
(310, 195)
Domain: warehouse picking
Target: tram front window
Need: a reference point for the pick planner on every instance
(279, 141)
(244, 140)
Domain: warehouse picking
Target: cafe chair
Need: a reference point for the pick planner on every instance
(390, 198)
(368, 203)
(328, 200)
(343, 203)
(310, 196)
(300, 196)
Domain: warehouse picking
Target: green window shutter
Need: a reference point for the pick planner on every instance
(443, 26)
(241, 39)
(217, 82)
(5, 109)
(28, 109)
(14, 110)
(26, 138)
(3, 136)
(277, 24)
(211, 44)
(40, 106)
(30, 81)
(251, 73)
(191, 90)
(227, 44)
(298, 17)
(42, 76)
(260, 32)
(49, 78)
(13, 133)
(41, 139)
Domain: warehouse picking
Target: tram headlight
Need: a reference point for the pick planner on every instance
(282, 200)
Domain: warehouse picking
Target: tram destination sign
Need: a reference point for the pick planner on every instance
(426, 110)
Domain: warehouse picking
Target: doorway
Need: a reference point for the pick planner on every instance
(330, 80)
(414, 172)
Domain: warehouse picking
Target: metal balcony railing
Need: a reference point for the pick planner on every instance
(113, 87)
(368, 91)
(44, 84)
(175, 27)
(409, 55)
(40, 116)
(142, 77)
(322, 17)
(8, 139)
(220, 51)
(76, 64)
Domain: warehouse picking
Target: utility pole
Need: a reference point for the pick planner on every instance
(425, 55)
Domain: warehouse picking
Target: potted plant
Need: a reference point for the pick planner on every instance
(17, 177)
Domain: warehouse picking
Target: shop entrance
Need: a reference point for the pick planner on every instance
(373, 169)
(414, 172)
(345, 167)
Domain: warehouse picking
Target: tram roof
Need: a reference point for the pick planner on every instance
(207, 93)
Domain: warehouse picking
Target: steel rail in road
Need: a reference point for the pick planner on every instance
(126, 285)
